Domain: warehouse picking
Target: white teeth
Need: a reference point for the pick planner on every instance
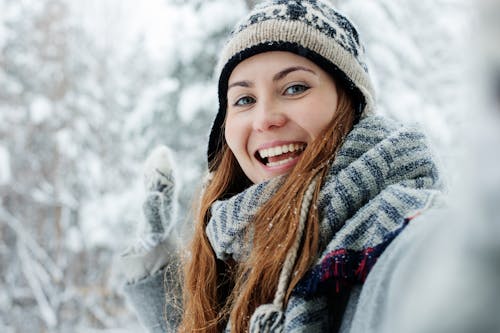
(275, 151)
(271, 164)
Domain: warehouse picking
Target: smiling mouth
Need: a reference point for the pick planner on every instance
(279, 155)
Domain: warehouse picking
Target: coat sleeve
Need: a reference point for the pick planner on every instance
(156, 301)
(395, 285)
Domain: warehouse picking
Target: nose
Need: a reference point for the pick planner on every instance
(267, 116)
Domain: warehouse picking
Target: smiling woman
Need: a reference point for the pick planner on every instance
(306, 186)
(278, 103)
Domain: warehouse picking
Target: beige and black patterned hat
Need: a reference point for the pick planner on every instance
(312, 29)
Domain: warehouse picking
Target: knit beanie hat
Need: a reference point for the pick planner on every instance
(310, 28)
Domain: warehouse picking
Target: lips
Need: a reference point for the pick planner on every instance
(280, 154)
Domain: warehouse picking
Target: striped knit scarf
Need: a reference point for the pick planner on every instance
(382, 175)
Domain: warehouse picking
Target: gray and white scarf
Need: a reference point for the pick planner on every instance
(382, 175)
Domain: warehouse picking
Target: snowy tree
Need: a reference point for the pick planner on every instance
(62, 112)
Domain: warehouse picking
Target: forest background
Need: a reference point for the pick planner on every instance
(89, 88)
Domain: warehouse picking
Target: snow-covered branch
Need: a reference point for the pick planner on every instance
(30, 243)
(46, 311)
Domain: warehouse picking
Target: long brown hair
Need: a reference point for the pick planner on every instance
(214, 291)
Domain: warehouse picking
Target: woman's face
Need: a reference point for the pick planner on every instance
(278, 103)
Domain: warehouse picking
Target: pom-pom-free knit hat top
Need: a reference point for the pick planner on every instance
(312, 29)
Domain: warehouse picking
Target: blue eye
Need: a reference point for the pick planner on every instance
(244, 101)
(296, 89)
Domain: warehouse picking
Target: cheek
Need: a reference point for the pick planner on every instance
(228, 135)
(318, 127)
(317, 118)
(233, 135)
(328, 111)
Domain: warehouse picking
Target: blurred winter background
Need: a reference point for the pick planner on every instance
(88, 88)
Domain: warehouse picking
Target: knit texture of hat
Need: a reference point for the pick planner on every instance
(312, 29)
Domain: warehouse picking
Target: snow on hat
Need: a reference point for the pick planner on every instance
(312, 29)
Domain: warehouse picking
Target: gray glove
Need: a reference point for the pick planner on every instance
(156, 244)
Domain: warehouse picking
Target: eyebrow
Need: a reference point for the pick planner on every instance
(278, 76)
(245, 84)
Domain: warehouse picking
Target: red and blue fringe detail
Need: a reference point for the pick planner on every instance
(342, 268)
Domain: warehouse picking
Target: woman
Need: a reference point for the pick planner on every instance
(307, 186)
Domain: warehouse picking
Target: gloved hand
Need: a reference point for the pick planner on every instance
(157, 236)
